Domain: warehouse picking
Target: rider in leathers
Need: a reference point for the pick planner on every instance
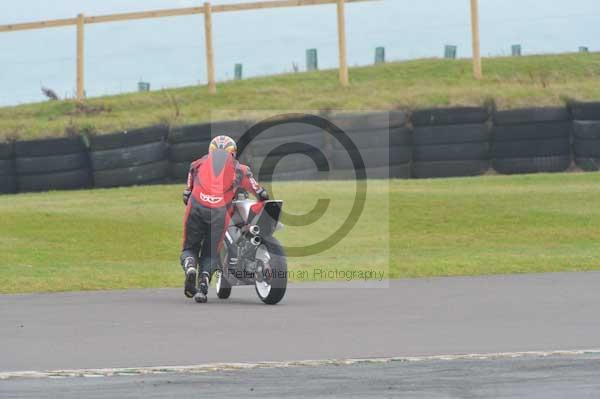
(212, 183)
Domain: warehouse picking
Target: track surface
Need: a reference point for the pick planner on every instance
(411, 317)
(544, 378)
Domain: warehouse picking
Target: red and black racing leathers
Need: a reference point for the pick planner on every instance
(211, 187)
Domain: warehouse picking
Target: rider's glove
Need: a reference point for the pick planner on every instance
(263, 195)
(186, 196)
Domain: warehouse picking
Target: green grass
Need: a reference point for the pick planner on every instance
(509, 81)
(130, 237)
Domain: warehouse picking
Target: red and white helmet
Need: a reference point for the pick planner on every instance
(223, 143)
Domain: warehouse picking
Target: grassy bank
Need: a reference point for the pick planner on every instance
(511, 82)
(130, 237)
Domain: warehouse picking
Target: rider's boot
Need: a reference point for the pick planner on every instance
(201, 295)
(189, 266)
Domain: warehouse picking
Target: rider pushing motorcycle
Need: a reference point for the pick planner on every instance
(212, 183)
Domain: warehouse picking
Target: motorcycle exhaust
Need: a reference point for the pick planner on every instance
(254, 230)
(256, 241)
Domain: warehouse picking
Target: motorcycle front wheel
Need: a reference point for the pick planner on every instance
(223, 287)
(272, 290)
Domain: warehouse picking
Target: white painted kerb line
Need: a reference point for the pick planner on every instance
(207, 368)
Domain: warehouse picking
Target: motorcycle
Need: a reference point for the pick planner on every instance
(250, 254)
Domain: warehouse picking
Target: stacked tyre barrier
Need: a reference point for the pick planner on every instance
(288, 151)
(190, 142)
(532, 140)
(430, 144)
(586, 135)
(130, 158)
(382, 140)
(8, 178)
(451, 142)
(52, 164)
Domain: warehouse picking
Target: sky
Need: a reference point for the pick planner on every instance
(27, 10)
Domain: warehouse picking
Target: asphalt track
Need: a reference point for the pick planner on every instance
(528, 377)
(131, 329)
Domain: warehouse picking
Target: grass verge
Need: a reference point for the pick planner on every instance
(129, 237)
(509, 81)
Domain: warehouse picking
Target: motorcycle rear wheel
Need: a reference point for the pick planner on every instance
(271, 253)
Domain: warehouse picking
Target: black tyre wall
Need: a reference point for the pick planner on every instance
(531, 115)
(532, 148)
(206, 131)
(533, 131)
(444, 143)
(189, 143)
(399, 136)
(135, 175)
(372, 157)
(451, 134)
(178, 171)
(585, 148)
(452, 150)
(188, 152)
(289, 163)
(49, 147)
(586, 144)
(585, 111)
(6, 160)
(286, 129)
(8, 184)
(586, 130)
(532, 140)
(7, 167)
(449, 116)
(532, 165)
(361, 122)
(380, 163)
(190, 134)
(383, 143)
(6, 151)
(8, 179)
(69, 180)
(261, 147)
(52, 164)
(130, 138)
(374, 134)
(129, 156)
(588, 164)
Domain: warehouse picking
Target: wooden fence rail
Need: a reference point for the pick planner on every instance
(207, 9)
(173, 12)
